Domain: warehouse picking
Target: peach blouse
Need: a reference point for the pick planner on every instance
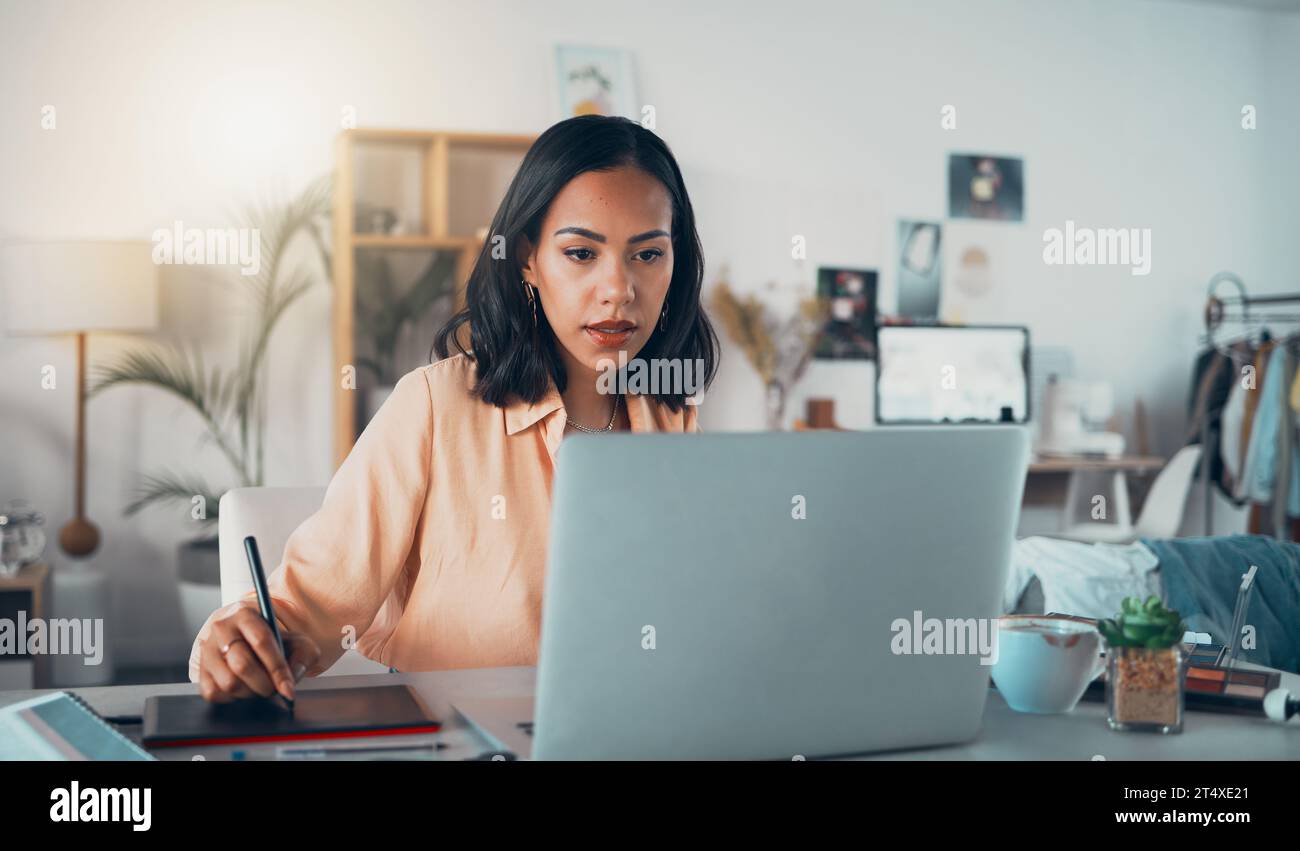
(429, 549)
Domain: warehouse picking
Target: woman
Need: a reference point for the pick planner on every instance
(429, 550)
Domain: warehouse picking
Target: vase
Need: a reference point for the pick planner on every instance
(1144, 689)
(198, 574)
(82, 595)
(775, 406)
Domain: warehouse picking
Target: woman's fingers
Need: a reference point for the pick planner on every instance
(224, 684)
(250, 647)
(253, 663)
(208, 689)
(303, 653)
(249, 668)
(263, 667)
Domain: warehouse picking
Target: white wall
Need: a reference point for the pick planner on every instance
(817, 119)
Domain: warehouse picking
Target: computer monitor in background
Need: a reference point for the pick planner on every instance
(952, 373)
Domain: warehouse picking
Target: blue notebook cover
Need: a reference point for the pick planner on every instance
(61, 726)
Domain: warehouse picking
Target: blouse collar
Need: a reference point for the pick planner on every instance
(520, 414)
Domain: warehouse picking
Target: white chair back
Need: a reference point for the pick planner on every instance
(1162, 511)
(270, 515)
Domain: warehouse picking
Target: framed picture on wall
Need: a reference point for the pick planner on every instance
(920, 269)
(595, 81)
(850, 330)
(986, 187)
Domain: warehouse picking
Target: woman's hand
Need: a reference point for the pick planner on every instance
(252, 663)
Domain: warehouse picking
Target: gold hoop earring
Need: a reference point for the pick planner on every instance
(532, 300)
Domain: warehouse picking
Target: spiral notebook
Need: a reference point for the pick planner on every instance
(61, 726)
(174, 720)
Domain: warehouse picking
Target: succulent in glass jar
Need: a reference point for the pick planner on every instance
(1144, 667)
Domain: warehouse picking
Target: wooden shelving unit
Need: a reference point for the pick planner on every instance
(29, 591)
(461, 179)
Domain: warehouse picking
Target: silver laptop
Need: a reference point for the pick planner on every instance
(764, 596)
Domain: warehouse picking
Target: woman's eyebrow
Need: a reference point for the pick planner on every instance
(600, 237)
(589, 234)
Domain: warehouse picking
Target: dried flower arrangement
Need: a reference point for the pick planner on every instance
(779, 348)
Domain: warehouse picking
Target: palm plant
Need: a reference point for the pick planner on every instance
(384, 307)
(231, 403)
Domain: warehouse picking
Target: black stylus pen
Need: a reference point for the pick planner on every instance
(264, 600)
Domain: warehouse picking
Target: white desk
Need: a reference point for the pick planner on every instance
(1007, 735)
(1077, 505)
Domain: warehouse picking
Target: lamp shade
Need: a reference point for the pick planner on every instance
(70, 287)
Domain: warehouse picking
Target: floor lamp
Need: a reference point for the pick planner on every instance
(57, 288)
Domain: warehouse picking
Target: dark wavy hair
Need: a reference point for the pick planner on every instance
(514, 357)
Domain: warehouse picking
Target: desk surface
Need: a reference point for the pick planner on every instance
(1086, 464)
(1080, 735)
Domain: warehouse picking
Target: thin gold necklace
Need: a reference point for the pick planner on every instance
(609, 427)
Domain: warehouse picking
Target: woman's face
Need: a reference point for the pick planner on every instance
(602, 264)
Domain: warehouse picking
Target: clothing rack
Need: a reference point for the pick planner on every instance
(1217, 313)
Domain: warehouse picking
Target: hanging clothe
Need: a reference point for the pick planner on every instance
(1262, 355)
(1270, 477)
(1211, 380)
(1230, 448)
(1287, 477)
(1261, 455)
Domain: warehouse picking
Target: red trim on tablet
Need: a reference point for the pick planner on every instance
(295, 737)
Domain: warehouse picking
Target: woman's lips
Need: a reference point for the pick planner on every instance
(610, 335)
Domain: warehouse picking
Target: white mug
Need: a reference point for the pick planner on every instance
(1045, 662)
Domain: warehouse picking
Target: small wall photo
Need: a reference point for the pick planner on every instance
(850, 330)
(981, 186)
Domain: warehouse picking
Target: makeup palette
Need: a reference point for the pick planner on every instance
(1211, 686)
(1210, 683)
